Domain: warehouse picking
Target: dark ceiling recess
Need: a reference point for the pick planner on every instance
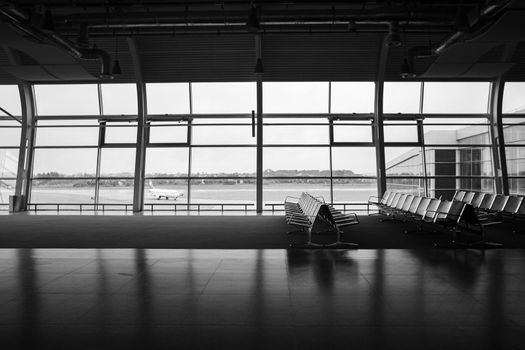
(315, 40)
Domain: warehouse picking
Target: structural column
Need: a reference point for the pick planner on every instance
(259, 170)
(140, 155)
(378, 118)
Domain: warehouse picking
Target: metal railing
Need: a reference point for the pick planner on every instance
(273, 208)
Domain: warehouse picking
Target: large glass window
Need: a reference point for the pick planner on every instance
(119, 99)
(283, 131)
(223, 98)
(10, 100)
(514, 98)
(67, 133)
(168, 132)
(352, 97)
(295, 97)
(348, 131)
(168, 98)
(402, 97)
(514, 135)
(67, 100)
(456, 97)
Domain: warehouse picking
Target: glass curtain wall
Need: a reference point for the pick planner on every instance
(514, 134)
(201, 150)
(10, 132)
(84, 145)
(318, 139)
(443, 145)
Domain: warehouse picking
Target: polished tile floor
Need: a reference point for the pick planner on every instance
(261, 299)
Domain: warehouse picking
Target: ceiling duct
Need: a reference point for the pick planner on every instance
(465, 30)
(12, 17)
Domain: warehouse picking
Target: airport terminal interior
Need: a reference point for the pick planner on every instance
(265, 174)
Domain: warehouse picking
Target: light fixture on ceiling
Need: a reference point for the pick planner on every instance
(407, 69)
(394, 35)
(83, 37)
(48, 25)
(252, 24)
(116, 71)
(259, 68)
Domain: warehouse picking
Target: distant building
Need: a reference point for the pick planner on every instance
(451, 168)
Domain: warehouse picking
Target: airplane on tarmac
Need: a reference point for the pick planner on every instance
(160, 193)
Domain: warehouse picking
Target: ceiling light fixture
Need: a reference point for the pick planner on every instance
(259, 68)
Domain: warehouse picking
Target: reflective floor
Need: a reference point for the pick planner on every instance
(261, 299)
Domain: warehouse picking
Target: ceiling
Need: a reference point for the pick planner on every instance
(296, 40)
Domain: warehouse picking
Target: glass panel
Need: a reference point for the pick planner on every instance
(223, 191)
(296, 161)
(352, 97)
(354, 191)
(514, 97)
(62, 191)
(517, 186)
(514, 131)
(117, 162)
(402, 97)
(121, 133)
(168, 98)
(408, 186)
(115, 191)
(166, 162)
(295, 134)
(168, 133)
(456, 97)
(400, 132)
(223, 161)
(10, 100)
(276, 190)
(166, 191)
(7, 188)
(295, 97)
(354, 161)
(515, 161)
(213, 98)
(403, 161)
(475, 133)
(79, 162)
(67, 136)
(118, 99)
(67, 100)
(222, 135)
(9, 133)
(8, 163)
(352, 131)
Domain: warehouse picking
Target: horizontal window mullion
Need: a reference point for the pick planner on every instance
(297, 145)
(67, 147)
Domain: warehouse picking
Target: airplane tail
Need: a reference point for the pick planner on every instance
(150, 184)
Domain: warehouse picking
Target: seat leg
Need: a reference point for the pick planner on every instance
(340, 244)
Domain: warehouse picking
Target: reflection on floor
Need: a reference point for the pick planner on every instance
(261, 299)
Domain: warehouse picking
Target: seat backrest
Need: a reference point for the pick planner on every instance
(499, 202)
(392, 203)
(415, 203)
(512, 205)
(476, 200)
(442, 210)
(458, 196)
(454, 212)
(408, 202)
(467, 198)
(521, 209)
(423, 205)
(401, 201)
(486, 202)
(432, 208)
(385, 197)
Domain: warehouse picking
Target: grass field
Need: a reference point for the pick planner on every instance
(213, 193)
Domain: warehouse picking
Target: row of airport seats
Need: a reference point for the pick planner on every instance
(493, 209)
(456, 217)
(307, 211)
